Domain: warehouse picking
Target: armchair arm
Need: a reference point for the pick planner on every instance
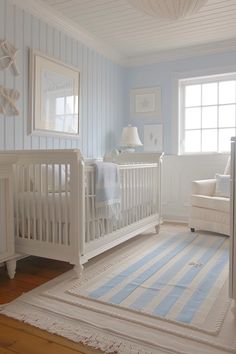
(204, 187)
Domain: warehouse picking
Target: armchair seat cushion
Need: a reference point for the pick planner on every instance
(216, 203)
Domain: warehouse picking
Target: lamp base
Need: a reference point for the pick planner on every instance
(128, 150)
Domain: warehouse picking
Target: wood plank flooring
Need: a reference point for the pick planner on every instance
(20, 338)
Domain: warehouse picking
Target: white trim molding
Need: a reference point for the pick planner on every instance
(56, 19)
(182, 53)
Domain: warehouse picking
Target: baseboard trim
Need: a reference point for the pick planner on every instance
(183, 219)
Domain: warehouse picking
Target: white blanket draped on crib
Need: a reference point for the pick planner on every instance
(107, 190)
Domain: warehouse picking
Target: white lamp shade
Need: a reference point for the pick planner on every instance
(168, 9)
(130, 137)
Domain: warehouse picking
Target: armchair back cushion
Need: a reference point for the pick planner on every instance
(222, 186)
(204, 187)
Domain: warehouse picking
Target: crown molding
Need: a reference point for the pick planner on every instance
(56, 19)
(182, 53)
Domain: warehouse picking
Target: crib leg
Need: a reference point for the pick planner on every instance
(78, 268)
(11, 268)
(157, 228)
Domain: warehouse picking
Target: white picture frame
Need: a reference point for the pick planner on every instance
(145, 102)
(54, 97)
(153, 138)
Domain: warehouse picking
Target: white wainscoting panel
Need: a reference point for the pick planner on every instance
(101, 101)
(178, 173)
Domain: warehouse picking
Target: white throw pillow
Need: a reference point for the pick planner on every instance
(222, 185)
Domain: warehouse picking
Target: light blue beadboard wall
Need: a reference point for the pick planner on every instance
(163, 75)
(102, 86)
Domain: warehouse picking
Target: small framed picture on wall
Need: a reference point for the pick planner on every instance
(153, 140)
(145, 102)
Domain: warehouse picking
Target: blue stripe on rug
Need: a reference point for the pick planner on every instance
(166, 304)
(151, 292)
(107, 286)
(199, 296)
(136, 282)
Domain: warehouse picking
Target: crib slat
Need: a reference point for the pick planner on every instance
(46, 221)
(132, 192)
(53, 205)
(59, 207)
(40, 204)
(126, 197)
(66, 205)
(135, 193)
(139, 194)
(28, 199)
(34, 203)
(130, 195)
(93, 206)
(17, 200)
(22, 202)
(87, 205)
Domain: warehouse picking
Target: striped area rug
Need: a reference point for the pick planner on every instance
(181, 278)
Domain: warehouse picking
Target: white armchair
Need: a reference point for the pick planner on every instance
(208, 211)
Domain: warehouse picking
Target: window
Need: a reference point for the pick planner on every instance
(207, 114)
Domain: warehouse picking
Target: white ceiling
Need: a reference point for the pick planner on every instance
(134, 34)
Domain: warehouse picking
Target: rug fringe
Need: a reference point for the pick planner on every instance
(87, 336)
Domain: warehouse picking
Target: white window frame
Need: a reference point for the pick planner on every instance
(182, 83)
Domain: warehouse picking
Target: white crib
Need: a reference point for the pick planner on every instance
(54, 202)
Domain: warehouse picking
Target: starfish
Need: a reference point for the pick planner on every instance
(9, 96)
(9, 56)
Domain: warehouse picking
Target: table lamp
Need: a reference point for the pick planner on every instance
(130, 139)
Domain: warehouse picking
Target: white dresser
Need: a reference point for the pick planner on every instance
(7, 241)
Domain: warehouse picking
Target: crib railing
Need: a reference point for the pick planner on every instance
(49, 211)
(139, 199)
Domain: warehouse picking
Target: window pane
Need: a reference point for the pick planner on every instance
(209, 94)
(224, 139)
(227, 92)
(209, 140)
(192, 141)
(192, 118)
(209, 117)
(193, 95)
(69, 104)
(227, 116)
(60, 105)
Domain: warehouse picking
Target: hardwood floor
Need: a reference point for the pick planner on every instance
(18, 337)
(31, 272)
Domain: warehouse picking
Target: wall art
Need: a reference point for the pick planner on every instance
(145, 102)
(54, 97)
(153, 138)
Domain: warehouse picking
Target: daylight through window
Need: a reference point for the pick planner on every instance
(207, 114)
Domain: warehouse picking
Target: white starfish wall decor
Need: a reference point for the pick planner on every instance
(8, 56)
(8, 98)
